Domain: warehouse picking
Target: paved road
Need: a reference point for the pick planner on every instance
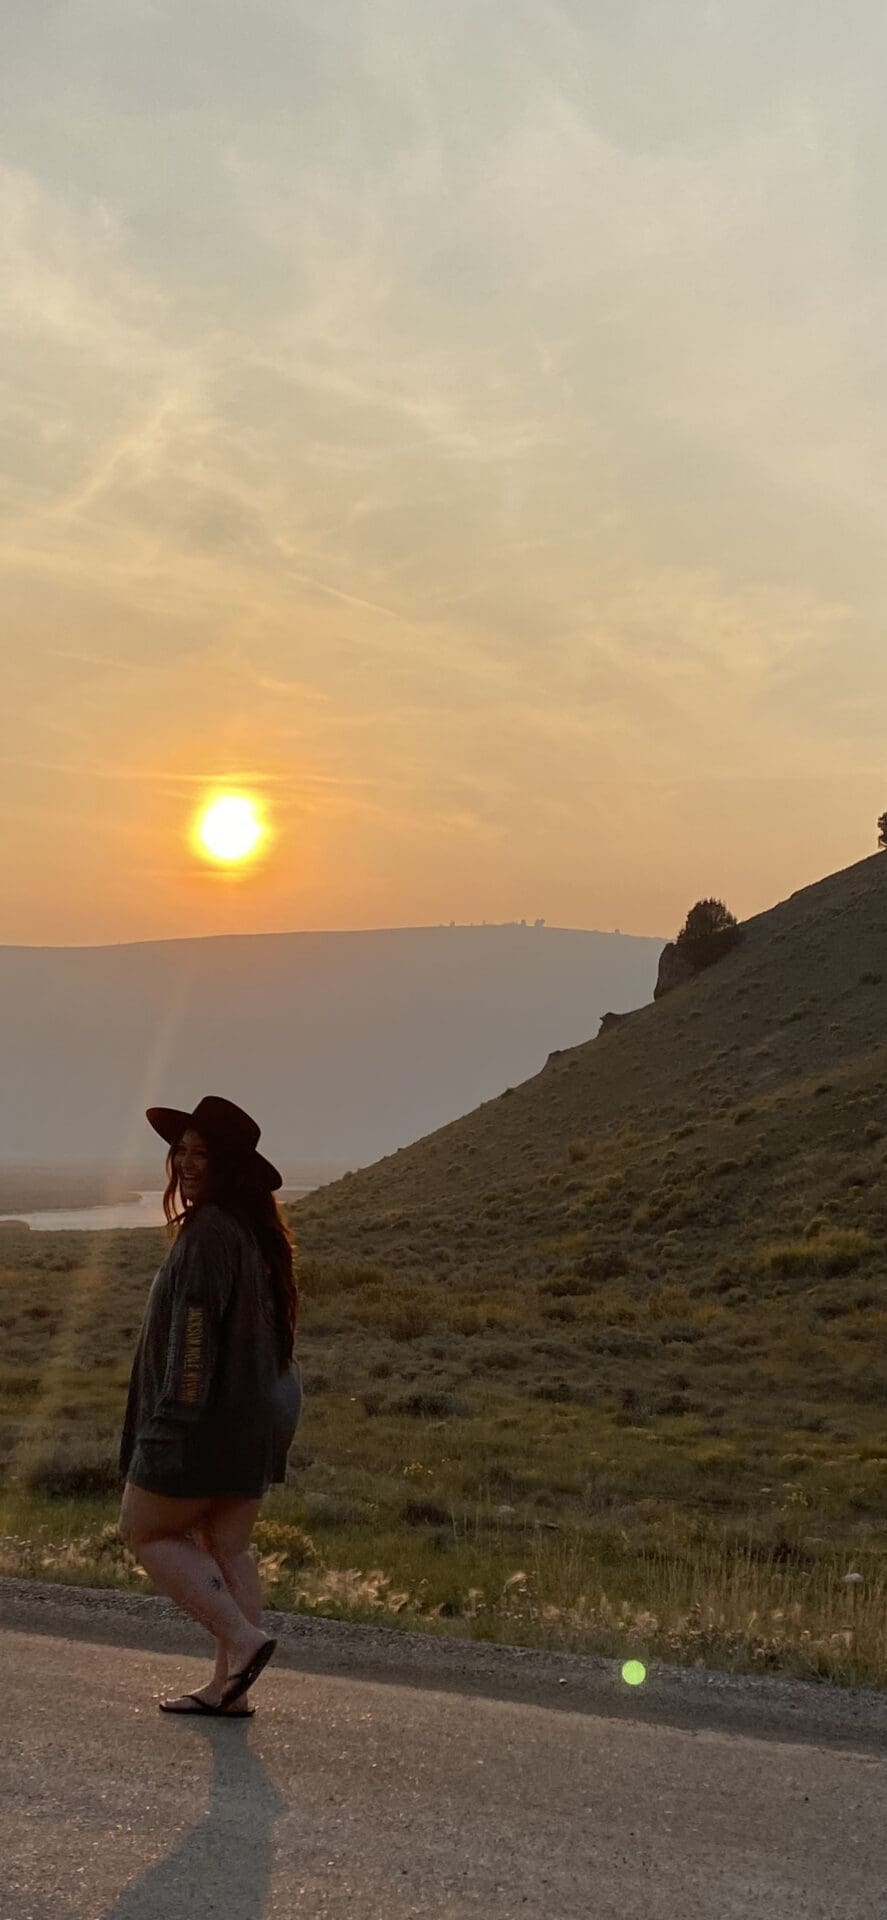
(369, 1795)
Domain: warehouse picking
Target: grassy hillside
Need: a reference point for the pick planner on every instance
(601, 1365)
(712, 1126)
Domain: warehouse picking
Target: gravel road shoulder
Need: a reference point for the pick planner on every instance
(694, 1698)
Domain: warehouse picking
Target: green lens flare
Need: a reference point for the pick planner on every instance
(633, 1673)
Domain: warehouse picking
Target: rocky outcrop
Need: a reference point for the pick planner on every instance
(674, 970)
(609, 1021)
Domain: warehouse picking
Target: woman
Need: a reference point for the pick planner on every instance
(215, 1395)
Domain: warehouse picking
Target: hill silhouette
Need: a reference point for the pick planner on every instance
(744, 1112)
(343, 1044)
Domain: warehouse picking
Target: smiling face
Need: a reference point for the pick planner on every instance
(193, 1165)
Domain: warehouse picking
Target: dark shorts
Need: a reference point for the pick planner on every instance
(230, 1457)
(287, 1413)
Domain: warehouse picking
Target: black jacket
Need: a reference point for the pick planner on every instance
(209, 1410)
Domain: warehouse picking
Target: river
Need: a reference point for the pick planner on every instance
(146, 1211)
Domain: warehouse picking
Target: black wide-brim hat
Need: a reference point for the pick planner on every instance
(220, 1122)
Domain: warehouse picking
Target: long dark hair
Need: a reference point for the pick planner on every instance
(234, 1186)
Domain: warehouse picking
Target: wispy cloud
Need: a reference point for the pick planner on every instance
(430, 428)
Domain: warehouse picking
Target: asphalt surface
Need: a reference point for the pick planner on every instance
(388, 1775)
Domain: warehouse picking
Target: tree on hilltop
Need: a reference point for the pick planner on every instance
(708, 932)
(882, 832)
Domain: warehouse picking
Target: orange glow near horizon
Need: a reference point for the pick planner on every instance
(229, 829)
(499, 515)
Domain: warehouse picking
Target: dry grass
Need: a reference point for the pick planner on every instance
(636, 1450)
(728, 1607)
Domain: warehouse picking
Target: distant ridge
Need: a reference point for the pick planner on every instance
(345, 1044)
(324, 933)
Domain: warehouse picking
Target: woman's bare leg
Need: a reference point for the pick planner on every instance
(160, 1532)
(224, 1533)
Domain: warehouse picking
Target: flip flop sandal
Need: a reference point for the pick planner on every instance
(205, 1706)
(240, 1682)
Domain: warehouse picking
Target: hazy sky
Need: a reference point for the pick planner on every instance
(466, 424)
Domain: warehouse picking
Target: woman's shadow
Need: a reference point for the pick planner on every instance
(223, 1866)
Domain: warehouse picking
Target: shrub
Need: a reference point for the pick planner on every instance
(426, 1405)
(401, 1317)
(842, 1252)
(21, 1386)
(882, 831)
(673, 1405)
(87, 1468)
(505, 1359)
(559, 1310)
(424, 1513)
(817, 1225)
(708, 933)
(831, 1252)
(319, 1279)
(290, 1545)
(606, 1263)
(465, 1320)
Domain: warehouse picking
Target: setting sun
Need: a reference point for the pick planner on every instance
(229, 829)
